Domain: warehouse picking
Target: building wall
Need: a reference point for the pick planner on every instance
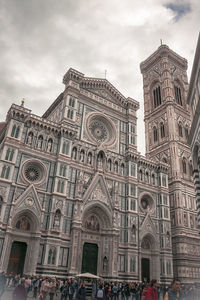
(75, 178)
(193, 100)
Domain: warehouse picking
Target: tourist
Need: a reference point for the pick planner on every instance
(100, 295)
(2, 283)
(19, 292)
(152, 292)
(52, 289)
(70, 290)
(36, 283)
(174, 293)
(82, 292)
(64, 291)
(44, 289)
(126, 291)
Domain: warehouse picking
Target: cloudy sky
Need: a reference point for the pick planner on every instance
(41, 39)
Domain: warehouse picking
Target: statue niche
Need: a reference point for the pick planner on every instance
(57, 217)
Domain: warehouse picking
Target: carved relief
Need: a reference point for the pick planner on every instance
(98, 194)
(92, 224)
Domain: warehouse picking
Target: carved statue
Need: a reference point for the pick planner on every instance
(57, 219)
(80, 184)
(49, 146)
(82, 156)
(30, 138)
(105, 264)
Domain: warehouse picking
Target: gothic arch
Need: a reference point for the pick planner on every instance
(34, 221)
(155, 94)
(148, 242)
(179, 92)
(103, 214)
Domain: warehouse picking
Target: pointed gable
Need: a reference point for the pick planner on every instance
(148, 226)
(98, 191)
(29, 200)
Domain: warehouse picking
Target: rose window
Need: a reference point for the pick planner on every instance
(101, 129)
(147, 204)
(32, 174)
(33, 171)
(98, 130)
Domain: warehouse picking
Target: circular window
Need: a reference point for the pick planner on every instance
(33, 171)
(98, 130)
(146, 203)
(101, 129)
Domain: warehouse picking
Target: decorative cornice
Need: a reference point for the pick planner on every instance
(99, 83)
(162, 51)
(74, 75)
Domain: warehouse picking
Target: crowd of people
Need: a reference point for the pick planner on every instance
(48, 288)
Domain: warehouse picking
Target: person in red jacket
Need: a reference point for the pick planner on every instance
(152, 292)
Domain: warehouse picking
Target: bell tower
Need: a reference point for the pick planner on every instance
(167, 121)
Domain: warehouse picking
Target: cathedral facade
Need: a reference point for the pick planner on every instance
(76, 195)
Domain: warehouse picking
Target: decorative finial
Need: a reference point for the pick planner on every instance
(161, 42)
(22, 102)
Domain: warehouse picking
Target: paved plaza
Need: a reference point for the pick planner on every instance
(8, 295)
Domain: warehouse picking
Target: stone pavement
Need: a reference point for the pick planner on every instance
(8, 295)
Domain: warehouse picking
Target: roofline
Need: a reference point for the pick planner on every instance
(194, 69)
(161, 52)
(53, 105)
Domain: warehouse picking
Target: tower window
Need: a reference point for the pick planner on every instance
(155, 134)
(60, 186)
(180, 131)
(162, 130)
(5, 172)
(65, 148)
(186, 133)
(9, 154)
(15, 131)
(71, 102)
(178, 97)
(70, 114)
(184, 166)
(157, 97)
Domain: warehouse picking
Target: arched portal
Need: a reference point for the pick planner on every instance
(149, 259)
(23, 240)
(96, 241)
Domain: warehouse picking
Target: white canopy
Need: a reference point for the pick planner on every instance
(88, 275)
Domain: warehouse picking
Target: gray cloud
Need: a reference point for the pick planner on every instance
(179, 8)
(41, 39)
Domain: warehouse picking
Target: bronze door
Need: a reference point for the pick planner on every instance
(90, 257)
(17, 258)
(145, 269)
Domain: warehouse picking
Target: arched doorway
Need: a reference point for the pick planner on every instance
(17, 258)
(22, 245)
(145, 261)
(97, 241)
(149, 259)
